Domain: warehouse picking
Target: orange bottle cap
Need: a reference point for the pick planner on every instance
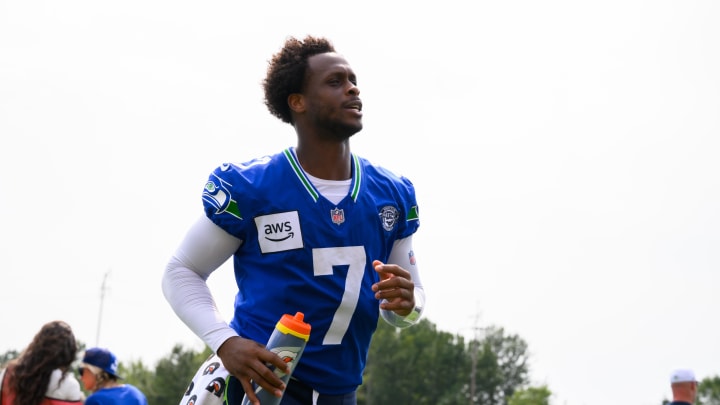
(295, 325)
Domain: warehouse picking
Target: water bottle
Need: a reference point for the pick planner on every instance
(287, 341)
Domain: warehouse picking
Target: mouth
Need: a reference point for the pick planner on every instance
(353, 105)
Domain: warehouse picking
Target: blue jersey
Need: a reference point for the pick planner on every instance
(302, 253)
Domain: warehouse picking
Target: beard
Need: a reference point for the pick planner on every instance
(335, 130)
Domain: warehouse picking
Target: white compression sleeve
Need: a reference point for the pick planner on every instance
(205, 247)
(400, 255)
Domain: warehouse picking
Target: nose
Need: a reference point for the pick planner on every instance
(353, 89)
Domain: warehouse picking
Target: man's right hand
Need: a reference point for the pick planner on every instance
(249, 362)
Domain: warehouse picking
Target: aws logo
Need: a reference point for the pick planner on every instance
(279, 232)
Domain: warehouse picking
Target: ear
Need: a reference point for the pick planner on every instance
(296, 101)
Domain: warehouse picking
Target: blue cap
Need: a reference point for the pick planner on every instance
(103, 359)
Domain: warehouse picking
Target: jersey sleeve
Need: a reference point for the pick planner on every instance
(410, 208)
(225, 186)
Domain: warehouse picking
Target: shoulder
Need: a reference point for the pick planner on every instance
(246, 175)
(66, 389)
(230, 181)
(382, 180)
(256, 165)
(382, 173)
(136, 392)
(134, 388)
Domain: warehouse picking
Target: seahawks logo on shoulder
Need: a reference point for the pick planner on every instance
(218, 195)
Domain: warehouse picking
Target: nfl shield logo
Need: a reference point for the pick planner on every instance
(338, 216)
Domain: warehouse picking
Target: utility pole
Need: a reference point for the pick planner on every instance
(473, 371)
(103, 288)
(474, 345)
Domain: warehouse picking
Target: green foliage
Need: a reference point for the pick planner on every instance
(709, 391)
(531, 396)
(421, 365)
(417, 365)
(173, 374)
(501, 366)
(137, 374)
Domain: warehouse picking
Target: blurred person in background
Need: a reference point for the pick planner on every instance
(684, 387)
(41, 374)
(98, 372)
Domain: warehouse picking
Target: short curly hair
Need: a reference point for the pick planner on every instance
(286, 72)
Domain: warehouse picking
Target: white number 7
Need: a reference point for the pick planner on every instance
(323, 261)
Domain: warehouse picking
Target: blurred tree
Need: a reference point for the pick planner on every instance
(171, 377)
(137, 374)
(417, 365)
(709, 391)
(421, 365)
(174, 373)
(501, 366)
(531, 396)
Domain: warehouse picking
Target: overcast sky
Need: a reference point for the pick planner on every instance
(566, 157)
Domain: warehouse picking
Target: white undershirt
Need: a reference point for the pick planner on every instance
(333, 190)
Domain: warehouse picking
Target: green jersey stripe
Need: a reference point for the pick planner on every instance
(301, 174)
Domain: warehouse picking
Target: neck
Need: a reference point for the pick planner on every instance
(683, 398)
(683, 392)
(328, 161)
(107, 384)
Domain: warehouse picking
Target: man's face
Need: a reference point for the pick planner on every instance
(332, 97)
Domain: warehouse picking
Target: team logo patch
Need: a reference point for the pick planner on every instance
(279, 232)
(338, 216)
(389, 216)
(217, 195)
